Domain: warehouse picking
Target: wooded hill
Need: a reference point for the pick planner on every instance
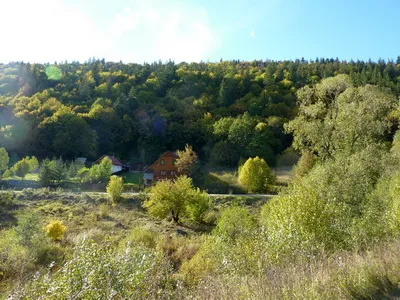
(226, 110)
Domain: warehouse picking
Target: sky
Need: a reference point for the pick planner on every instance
(197, 30)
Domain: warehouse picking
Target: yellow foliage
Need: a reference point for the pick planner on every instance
(55, 230)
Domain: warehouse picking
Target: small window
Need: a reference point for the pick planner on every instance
(174, 162)
(163, 173)
(162, 162)
(172, 173)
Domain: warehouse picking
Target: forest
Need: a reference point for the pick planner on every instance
(331, 232)
(226, 110)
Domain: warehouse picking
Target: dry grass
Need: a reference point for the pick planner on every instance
(374, 274)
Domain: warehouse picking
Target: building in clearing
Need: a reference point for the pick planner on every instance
(163, 168)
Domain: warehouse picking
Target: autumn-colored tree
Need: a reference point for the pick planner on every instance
(187, 160)
(115, 188)
(255, 175)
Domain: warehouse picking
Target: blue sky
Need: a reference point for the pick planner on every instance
(138, 31)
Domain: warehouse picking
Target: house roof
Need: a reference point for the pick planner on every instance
(114, 161)
(166, 154)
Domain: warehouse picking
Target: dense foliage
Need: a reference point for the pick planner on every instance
(139, 111)
(255, 175)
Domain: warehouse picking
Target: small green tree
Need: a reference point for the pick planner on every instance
(178, 199)
(4, 159)
(21, 168)
(255, 175)
(33, 163)
(115, 188)
(105, 169)
(99, 172)
(52, 171)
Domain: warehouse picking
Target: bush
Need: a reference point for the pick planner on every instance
(115, 188)
(4, 159)
(96, 272)
(141, 236)
(52, 172)
(21, 168)
(97, 173)
(55, 230)
(29, 228)
(178, 199)
(331, 208)
(6, 200)
(255, 175)
(14, 258)
(304, 165)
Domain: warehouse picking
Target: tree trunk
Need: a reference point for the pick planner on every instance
(175, 217)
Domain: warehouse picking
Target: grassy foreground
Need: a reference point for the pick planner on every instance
(122, 240)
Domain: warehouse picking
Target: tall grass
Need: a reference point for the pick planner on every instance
(374, 274)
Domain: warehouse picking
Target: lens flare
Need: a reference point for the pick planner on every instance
(53, 73)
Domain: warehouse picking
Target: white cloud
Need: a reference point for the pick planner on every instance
(50, 30)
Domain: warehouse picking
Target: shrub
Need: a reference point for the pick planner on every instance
(4, 159)
(97, 173)
(6, 199)
(29, 228)
(141, 236)
(255, 175)
(178, 199)
(52, 172)
(21, 168)
(304, 165)
(14, 258)
(234, 222)
(96, 272)
(331, 208)
(115, 188)
(55, 230)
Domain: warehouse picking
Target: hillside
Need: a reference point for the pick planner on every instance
(226, 110)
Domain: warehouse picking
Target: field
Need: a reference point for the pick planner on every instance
(361, 275)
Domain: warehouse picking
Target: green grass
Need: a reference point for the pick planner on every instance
(33, 177)
(136, 178)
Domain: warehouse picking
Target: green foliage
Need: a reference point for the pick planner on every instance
(235, 222)
(52, 172)
(115, 188)
(6, 200)
(4, 159)
(304, 165)
(331, 208)
(29, 229)
(326, 124)
(177, 198)
(255, 175)
(186, 161)
(21, 168)
(96, 272)
(98, 172)
(55, 230)
(141, 236)
(8, 174)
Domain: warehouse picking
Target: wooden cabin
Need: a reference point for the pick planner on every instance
(163, 168)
